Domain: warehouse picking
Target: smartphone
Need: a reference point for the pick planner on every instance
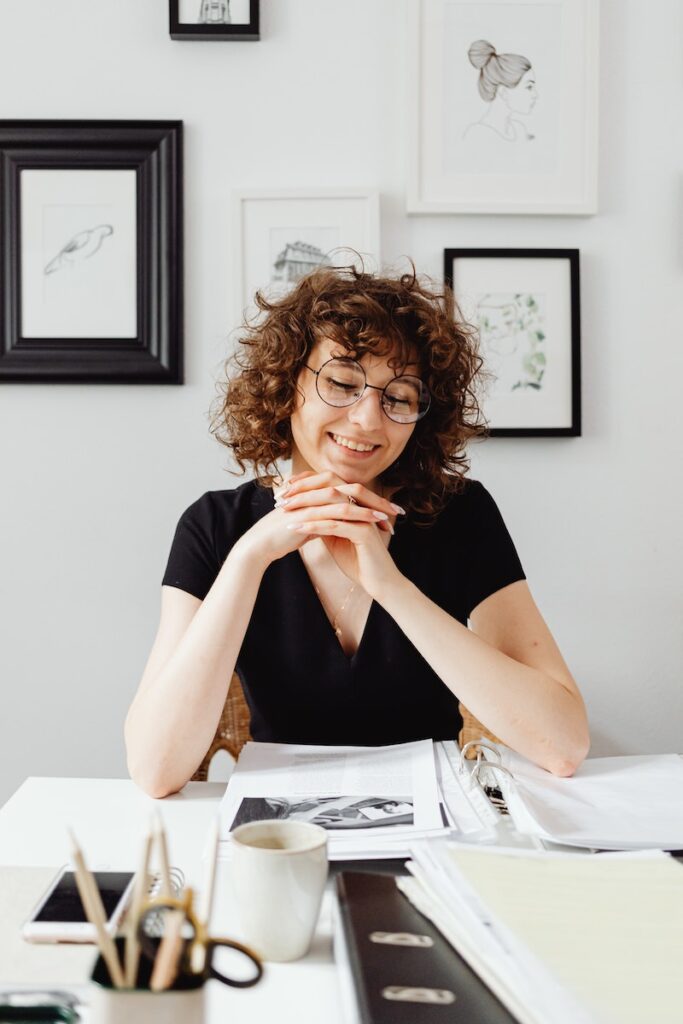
(59, 914)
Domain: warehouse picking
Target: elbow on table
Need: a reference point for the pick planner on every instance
(154, 783)
(153, 778)
(564, 765)
(153, 775)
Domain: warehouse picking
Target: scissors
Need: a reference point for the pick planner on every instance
(199, 946)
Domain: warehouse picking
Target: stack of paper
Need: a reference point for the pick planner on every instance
(611, 803)
(567, 938)
(374, 801)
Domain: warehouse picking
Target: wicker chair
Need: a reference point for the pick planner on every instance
(233, 729)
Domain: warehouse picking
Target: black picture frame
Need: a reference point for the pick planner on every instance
(153, 150)
(573, 395)
(183, 31)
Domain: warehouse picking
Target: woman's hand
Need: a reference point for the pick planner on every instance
(349, 518)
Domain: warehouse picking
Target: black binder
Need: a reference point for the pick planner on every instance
(404, 970)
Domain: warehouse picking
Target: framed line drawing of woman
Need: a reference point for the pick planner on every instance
(504, 107)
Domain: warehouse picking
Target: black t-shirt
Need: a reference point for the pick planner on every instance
(299, 684)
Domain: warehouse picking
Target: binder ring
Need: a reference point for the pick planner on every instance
(474, 774)
(482, 743)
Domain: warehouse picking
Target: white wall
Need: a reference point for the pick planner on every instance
(93, 478)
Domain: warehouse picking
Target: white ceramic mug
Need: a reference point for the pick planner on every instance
(278, 871)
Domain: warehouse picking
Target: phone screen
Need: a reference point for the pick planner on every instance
(64, 902)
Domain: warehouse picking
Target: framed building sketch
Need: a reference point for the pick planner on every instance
(214, 19)
(504, 106)
(525, 306)
(91, 277)
(282, 235)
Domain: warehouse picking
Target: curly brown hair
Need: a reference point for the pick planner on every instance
(405, 317)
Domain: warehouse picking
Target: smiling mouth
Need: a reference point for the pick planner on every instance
(354, 446)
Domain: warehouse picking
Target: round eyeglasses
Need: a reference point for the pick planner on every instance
(341, 382)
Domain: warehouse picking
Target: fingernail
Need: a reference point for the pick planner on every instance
(397, 509)
(391, 529)
(280, 502)
(295, 526)
(380, 515)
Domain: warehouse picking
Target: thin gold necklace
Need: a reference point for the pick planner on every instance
(338, 632)
(335, 621)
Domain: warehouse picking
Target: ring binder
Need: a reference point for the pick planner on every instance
(610, 803)
(479, 744)
(474, 774)
(432, 980)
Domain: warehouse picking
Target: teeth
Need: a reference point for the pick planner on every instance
(353, 445)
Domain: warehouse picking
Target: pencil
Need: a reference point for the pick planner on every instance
(140, 892)
(160, 835)
(94, 911)
(206, 899)
(171, 946)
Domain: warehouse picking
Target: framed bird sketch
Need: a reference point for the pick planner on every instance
(281, 235)
(91, 254)
(503, 99)
(214, 19)
(524, 304)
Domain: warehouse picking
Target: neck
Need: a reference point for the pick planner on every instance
(499, 117)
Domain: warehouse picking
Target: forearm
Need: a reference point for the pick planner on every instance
(173, 718)
(530, 711)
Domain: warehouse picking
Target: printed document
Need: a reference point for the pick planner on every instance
(373, 801)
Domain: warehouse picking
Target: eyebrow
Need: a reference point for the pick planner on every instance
(345, 355)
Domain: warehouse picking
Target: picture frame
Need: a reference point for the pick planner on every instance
(91, 273)
(525, 304)
(503, 107)
(281, 234)
(214, 20)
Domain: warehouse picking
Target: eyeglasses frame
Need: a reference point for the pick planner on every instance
(373, 387)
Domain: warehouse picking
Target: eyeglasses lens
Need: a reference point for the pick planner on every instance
(342, 382)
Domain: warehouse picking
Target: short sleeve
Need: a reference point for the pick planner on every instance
(193, 563)
(492, 559)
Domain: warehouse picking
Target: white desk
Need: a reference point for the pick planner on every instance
(109, 817)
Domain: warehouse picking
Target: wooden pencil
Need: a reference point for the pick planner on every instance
(166, 961)
(140, 894)
(94, 911)
(162, 844)
(207, 894)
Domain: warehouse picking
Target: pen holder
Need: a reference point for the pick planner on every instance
(183, 1003)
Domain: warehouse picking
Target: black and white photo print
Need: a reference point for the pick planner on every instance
(338, 813)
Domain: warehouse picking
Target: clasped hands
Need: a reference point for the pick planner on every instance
(348, 517)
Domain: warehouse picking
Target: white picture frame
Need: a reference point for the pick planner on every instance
(280, 234)
(478, 145)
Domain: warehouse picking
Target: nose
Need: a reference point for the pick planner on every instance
(367, 411)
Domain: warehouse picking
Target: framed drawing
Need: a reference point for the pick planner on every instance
(214, 19)
(90, 253)
(525, 305)
(282, 235)
(504, 106)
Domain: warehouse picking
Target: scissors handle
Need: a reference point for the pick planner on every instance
(212, 972)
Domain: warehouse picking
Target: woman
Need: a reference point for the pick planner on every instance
(507, 85)
(342, 593)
